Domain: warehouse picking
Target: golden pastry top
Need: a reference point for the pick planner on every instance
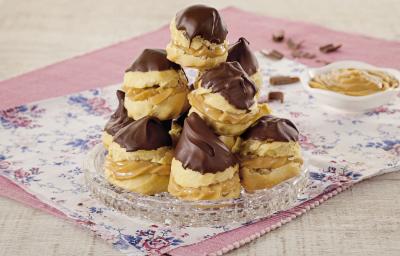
(354, 82)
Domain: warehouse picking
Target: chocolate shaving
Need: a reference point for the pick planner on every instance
(322, 61)
(282, 80)
(273, 54)
(329, 48)
(278, 36)
(273, 96)
(293, 45)
(302, 54)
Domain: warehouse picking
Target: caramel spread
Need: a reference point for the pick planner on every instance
(354, 82)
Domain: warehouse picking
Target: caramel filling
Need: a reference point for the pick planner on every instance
(124, 170)
(267, 162)
(156, 94)
(203, 50)
(197, 102)
(226, 189)
(354, 82)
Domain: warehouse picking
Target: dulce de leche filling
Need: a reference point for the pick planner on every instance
(124, 170)
(268, 162)
(354, 82)
(197, 101)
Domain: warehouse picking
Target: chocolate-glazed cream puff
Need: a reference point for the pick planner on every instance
(225, 97)
(198, 38)
(117, 120)
(270, 153)
(155, 86)
(203, 168)
(139, 158)
(241, 52)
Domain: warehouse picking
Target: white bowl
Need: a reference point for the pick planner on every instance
(346, 102)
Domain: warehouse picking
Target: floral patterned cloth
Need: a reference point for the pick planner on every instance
(43, 144)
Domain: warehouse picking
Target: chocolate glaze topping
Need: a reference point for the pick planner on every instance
(200, 149)
(120, 118)
(240, 52)
(153, 60)
(201, 20)
(271, 128)
(147, 133)
(231, 81)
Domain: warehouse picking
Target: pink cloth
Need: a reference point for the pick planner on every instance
(105, 66)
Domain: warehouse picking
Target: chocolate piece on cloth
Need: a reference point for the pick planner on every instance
(303, 54)
(200, 149)
(273, 96)
(231, 81)
(203, 21)
(120, 117)
(329, 48)
(147, 133)
(240, 52)
(278, 36)
(272, 128)
(294, 45)
(283, 80)
(153, 60)
(272, 54)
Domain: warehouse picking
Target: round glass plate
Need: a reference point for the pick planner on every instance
(164, 208)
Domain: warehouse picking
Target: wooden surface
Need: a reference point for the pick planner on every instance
(362, 221)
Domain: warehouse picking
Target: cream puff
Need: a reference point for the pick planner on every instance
(139, 158)
(241, 52)
(270, 153)
(117, 120)
(198, 38)
(203, 168)
(225, 97)
(155, 86)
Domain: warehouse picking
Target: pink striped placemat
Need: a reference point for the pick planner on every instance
(105, 66)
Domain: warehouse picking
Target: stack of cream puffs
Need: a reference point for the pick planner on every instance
(205, 143)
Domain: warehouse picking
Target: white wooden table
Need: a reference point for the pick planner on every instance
(362, 221)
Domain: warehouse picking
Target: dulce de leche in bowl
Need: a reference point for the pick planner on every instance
(354, 81)
(352, 86)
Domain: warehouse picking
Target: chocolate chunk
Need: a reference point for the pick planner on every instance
(282, 80)
(203, 21)
(200, 149)
(231, 81)
(271, 128)
(240, 52)
(278, 36)
(273, 54)
(325, 62)
(302, 54)
(120, 117)
(272, 96)
(329, 48)
(147, 133)
(153, 60)
(293, 45)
